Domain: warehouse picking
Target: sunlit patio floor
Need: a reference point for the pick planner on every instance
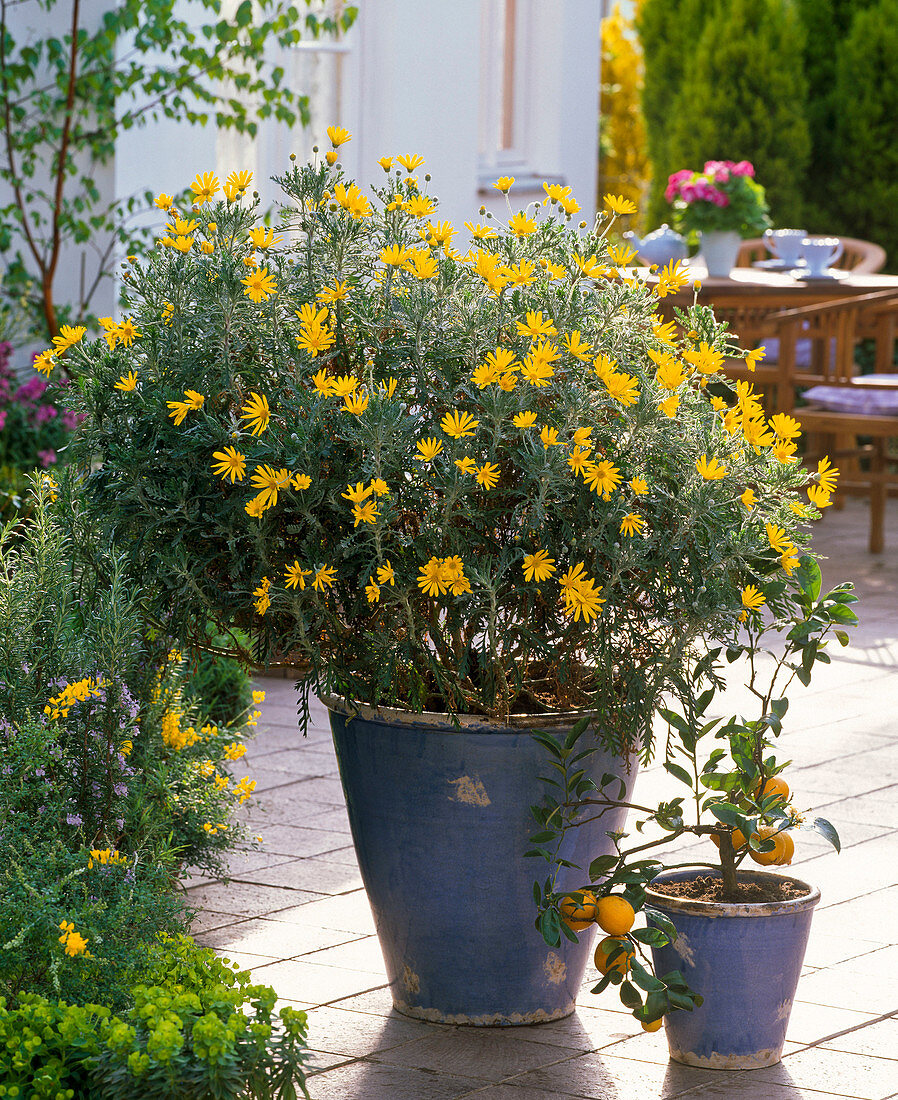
(296, 914)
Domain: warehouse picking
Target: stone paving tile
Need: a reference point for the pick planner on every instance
(841, 987)
(208, 919)
(827, 950)
(369, 1080)
(872, 809)
(511, 1091)
(879, 1039)
(344, 856)
(317, 1061)
(267, 779)
(868, 1078)
(318, 875)
(243, 899)
(243, 861)
(877, 964)
(295, 841)
(306, 760)
(314, 982)
(344, 912)
(747, 1087)
(871, 916)
(360, 954)
(246, 960)
(277, 938)
(811, 1022)
(292, 807)
(587, 1029)
(845, 877)
(376, 1002)
(483, 1053)
(356, 1034)
(600, 1076)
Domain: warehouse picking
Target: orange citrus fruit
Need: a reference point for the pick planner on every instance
(782, 851)
(615, 915)
(775, 786)
(578, 915)
(620, 963)
(655, 1025)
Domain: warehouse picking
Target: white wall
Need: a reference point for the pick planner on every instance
(410, 77)
(415, 81)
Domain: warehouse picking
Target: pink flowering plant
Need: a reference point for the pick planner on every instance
(724, 196)
(33, 429)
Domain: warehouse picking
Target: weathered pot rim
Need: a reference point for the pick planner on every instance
(440, 720)
(693, 907)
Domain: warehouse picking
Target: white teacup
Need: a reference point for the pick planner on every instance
(785, 244)
(820, 253)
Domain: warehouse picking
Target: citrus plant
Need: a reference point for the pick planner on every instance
(737, 796)
(459, 470)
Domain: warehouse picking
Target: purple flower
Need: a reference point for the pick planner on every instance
(44, 413)
(69, 420)
(47, 458)
(73, 819)
(31, 390)
(2, 419)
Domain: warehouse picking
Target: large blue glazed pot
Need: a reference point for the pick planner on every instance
(440, 817)
(745, 960)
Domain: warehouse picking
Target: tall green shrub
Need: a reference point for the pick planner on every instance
(827, 24)
(668, 31)
(865, 197)
(724, 81)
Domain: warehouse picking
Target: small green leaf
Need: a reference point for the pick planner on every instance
(827, 829)
(662, 921)
(729, 815)
(630, 996)
(644, 978)
(550, 926)
(603, 984)
(678, 772)
(601, 865)
(809, 576)
(674, 719)
(652, 937)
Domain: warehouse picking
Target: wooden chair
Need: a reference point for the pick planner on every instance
(852, 417)
(857, 255)
(868, 316)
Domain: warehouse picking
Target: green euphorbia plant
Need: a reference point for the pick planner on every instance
(481, 478)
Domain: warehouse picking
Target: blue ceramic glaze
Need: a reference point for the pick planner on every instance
(440, 817)
(745, 960)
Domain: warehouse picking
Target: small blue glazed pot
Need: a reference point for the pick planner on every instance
(440, 818)
(745, 960)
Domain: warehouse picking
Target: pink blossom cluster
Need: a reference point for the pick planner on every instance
(32, 428)
(705, 186)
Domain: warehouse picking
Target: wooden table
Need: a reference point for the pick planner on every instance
(750, 295)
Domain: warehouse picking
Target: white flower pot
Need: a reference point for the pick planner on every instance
(720, 249)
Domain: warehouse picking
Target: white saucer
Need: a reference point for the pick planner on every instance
(832, 274)
(775, 265)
